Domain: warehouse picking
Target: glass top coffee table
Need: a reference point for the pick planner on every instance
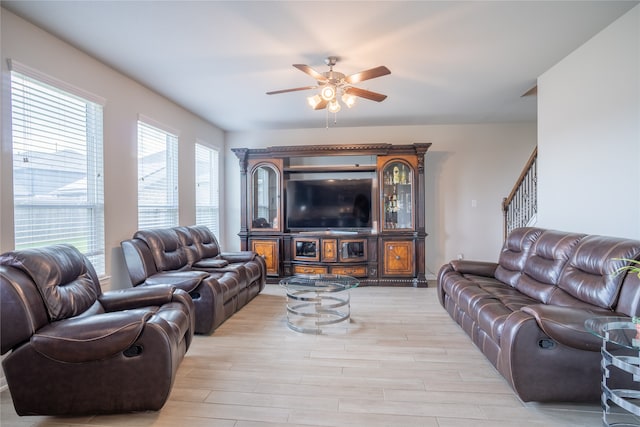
(317, 300)
(618, 333)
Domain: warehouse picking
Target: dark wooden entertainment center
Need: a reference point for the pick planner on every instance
(383, 246)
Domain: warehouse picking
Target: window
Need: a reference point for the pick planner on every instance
(157, 177)
(58, 191)
(207, 206)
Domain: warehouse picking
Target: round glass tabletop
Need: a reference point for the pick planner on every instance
(320, 282)
(621, 331)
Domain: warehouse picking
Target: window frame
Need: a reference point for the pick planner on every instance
(44, 110)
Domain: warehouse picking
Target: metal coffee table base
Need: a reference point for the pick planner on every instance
(308, 311)
(317, 300)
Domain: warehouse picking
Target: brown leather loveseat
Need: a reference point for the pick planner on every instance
(72, 349)
(526, 312)
(220, 283)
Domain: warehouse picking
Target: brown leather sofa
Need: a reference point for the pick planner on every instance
(220, 283)
(72, 349)
(526, 312)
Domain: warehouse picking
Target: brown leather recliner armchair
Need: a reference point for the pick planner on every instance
(73, 349)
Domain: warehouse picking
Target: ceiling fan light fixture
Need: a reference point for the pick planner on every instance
(314, 101)
(349, 100)
(333, 106)
(334, 88)
(328, 92)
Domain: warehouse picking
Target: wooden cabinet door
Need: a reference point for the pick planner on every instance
(398, 258)
(329, 251)
(268, 249)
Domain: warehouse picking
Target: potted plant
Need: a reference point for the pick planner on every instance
(633, 267)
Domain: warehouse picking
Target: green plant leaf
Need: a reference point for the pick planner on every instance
(633, 266)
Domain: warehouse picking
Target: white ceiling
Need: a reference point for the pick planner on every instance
(450, 61)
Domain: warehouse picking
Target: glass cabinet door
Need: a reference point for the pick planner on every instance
(397, 194)
(265, 184)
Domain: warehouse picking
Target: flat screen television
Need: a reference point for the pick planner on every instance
(329, 204)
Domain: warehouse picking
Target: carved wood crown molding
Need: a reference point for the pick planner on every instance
(336, 149)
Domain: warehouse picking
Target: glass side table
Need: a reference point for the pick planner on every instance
(620, 332)
(317, 300)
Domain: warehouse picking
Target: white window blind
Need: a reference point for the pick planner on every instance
(57, 168)
(207, 200)
(157, 177)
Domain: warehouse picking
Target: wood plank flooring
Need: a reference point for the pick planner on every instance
(401, 361)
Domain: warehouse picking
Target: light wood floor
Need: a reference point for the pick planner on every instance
(401, 361)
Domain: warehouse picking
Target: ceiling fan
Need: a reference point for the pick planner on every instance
(333, 84)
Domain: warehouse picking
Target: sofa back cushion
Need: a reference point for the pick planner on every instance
(139, 260)
(543, 267)
(629, 299)
(65, 279)
(590, 276)
(515, 251)
(166, 248)
(205, 241)
(187, 241)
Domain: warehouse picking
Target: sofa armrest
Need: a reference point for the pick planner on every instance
(240, 256)
(566, 324)
(83, 339)
(131, 298)
(185, 280)
(479, 268)
(211, 263)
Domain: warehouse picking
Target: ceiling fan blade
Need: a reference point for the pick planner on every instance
(313, 73)
(275, 92)
(362, 93)
(531, 92)
(367, 74)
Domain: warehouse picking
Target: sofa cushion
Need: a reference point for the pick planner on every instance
(167, 250)
(67, 285)
(186, 240)
(590, 275)
(514, 254)
(205, 241)
(547, 258)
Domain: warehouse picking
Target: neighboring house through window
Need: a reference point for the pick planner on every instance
(157, 177)
(58, 191)
(207, 204)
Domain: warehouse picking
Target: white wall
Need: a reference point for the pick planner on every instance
(125, 100)
(589, 135)
(465, 163)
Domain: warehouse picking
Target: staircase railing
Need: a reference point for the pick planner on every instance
(521, 206)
